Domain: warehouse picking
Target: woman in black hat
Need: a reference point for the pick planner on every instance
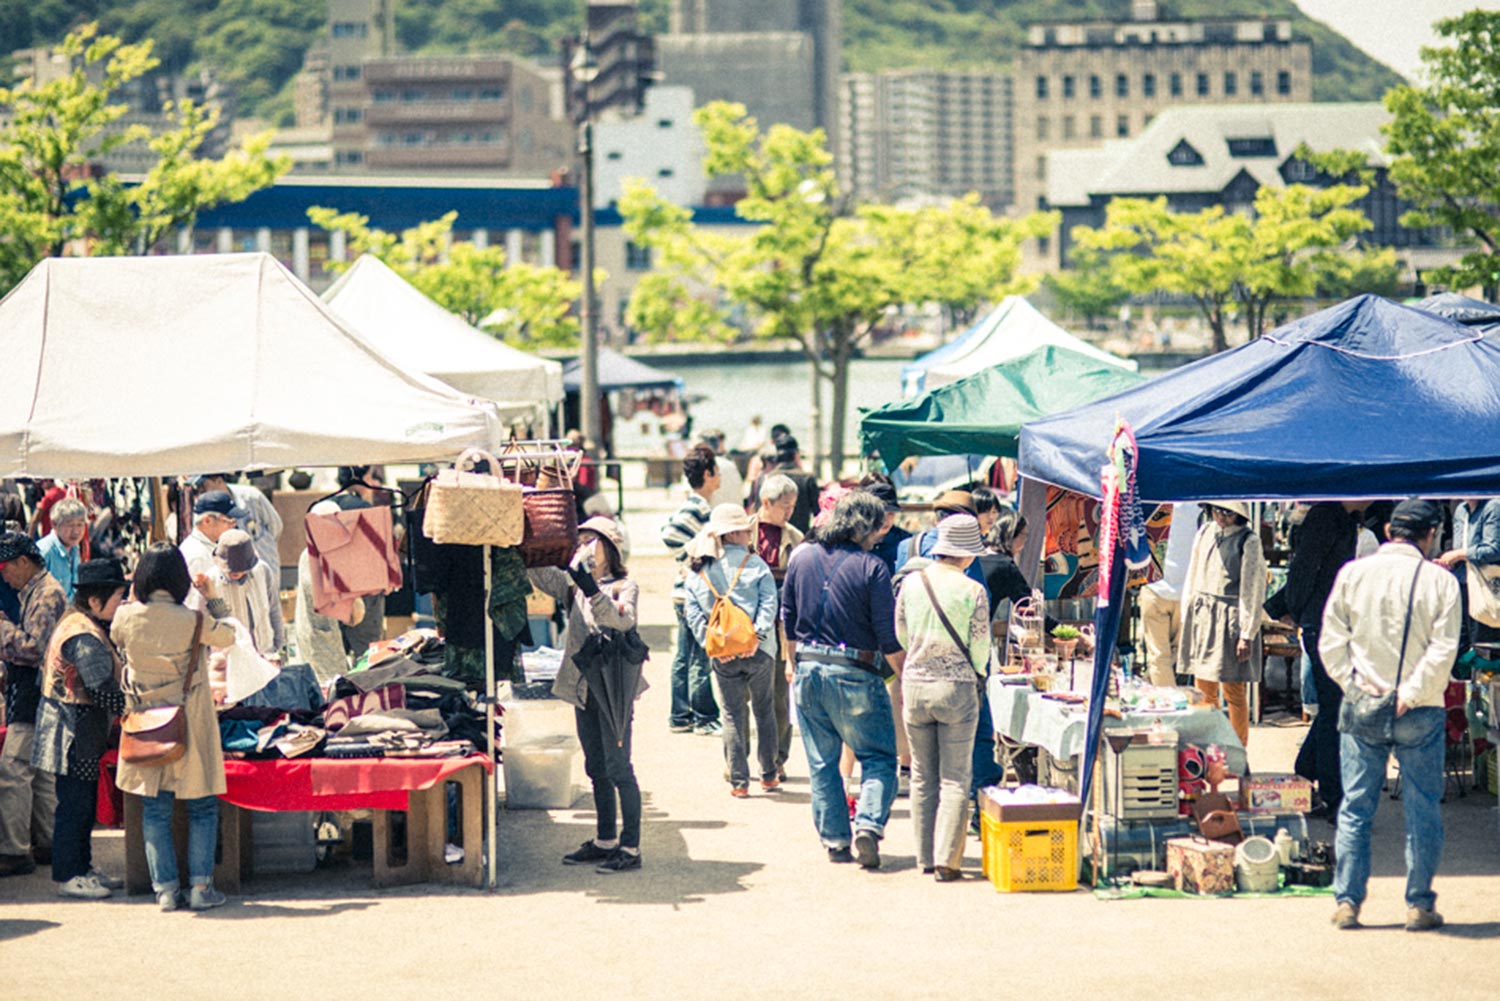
(80, 692)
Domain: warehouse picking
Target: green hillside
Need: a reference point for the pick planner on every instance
(258, 45)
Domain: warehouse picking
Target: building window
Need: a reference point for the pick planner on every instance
(1122, 126)
(1069, 127)
(1096, 86)
(1231, 84)
(1299, 172)
(1148, 85)
(666, 172)
(346, 73)
(614, 154)
(1044, 127)
(345, 157)
(1122, 85)
(411, 94)
(637, 257)
(1041, 88)
(1283, 83)
(1202, 84)
(348, 116)
(1257, 84)
(383, 96)
(1068, 87)
(463, 94)
(1256, 146)
(350, 29)
(1183, 155)
(1174, 84)
(1096, 127)
(1041, 168)
(664, 123)
(491, 94)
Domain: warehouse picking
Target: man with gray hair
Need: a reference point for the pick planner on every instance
(839, 612)
(60, 548)
(774, 539)
(261, 521)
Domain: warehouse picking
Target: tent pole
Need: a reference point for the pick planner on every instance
(493, 786)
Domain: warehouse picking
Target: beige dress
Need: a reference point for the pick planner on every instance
(1221, 601)
(155, 638)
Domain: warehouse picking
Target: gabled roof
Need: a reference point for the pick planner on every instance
(1140, 166)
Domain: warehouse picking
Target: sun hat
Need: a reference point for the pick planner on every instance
(606, 529)
(727, 519)
(958, 536)
(955, 502)
(1240, 508)
(101, 573)
(235, 552)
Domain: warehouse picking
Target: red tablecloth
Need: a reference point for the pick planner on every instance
(337, 784)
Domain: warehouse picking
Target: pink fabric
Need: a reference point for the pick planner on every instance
(340, 711)
(351, 554)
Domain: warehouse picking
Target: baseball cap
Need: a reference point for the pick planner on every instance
(218, 502)
(886, 494)
(1417, 515)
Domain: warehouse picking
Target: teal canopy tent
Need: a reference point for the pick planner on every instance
(983, 413)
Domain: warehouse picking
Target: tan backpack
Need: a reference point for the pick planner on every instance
(731, 631)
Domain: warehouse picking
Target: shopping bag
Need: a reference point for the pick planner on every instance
(1484, 593)
(246, 671)
(467, 508)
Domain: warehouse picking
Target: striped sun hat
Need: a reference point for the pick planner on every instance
(958, 535)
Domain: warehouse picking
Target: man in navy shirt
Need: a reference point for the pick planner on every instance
(839, 613)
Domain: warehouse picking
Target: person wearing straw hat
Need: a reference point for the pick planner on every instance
(943, 621)
(725, 568)
(1222, 599)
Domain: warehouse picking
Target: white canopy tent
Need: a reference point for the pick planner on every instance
(1014, 329)
(161, 366)
(417, 333)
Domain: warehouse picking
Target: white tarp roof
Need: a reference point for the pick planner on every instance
(1014, 329)
(417, 333)
(160, 366)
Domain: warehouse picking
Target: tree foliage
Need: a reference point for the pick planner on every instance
(808, 268)
(1090, 287)
(1444, 140)
(1297, 239)
(52, 199)
(518, 302)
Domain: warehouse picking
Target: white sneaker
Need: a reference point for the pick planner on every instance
(107, 881)
(169, 900)
(83, 888)
(204, 898)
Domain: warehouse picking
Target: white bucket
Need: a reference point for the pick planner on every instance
(1257, 866)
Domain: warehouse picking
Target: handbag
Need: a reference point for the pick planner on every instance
(943, 618)
(1484, 593)
(468, 508)
(1216, 818)
(1372, 718)
(551, 515)
(155, 738)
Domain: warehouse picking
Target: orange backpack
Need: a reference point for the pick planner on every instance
(731, 631)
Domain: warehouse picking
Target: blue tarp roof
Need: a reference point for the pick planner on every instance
(1367, 399)
(1466, 310)
(617, 371)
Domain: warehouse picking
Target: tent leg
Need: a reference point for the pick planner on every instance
(492, 798)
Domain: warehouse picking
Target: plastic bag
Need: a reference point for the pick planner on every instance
(246, 671)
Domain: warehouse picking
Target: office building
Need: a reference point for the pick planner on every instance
(661, 146)
(915, 133)
(624, 57)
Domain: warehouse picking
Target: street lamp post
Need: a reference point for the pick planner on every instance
(584, 69)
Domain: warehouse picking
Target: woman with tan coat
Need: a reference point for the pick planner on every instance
(155, 633)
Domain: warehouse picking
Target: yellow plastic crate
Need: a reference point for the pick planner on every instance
(1028, 857)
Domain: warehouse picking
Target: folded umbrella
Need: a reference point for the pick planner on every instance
(610, 662)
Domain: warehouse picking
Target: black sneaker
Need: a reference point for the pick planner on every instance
(840, 855)
(587, 854)
(867, 850)
(620, 861)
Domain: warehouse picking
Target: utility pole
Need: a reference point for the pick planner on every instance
(584, 69)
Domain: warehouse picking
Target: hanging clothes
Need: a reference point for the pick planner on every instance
(351, 554)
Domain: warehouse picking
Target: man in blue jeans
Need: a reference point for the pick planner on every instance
(1363, 649)
(839, 612)
(694, 708)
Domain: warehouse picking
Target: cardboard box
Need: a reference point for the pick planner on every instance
(1004, 812)
(1199, 866)
(1270, 793)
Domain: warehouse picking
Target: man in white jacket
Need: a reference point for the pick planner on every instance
(1363, 646)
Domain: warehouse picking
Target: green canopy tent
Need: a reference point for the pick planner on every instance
(983, 413)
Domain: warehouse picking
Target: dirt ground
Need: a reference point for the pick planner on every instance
(737, 900)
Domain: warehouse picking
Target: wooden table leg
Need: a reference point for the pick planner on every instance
(137, 872)
(469, 872)
(415, 868)
(236, 848)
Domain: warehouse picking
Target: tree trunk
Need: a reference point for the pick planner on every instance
(1216, 324)
(816, 453)
(843, 349)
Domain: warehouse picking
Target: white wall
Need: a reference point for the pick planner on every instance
(661, 138)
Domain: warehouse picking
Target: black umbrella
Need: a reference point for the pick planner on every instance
(610, 662)
(1461, 309)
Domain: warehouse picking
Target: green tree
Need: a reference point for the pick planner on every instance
(1444, 142)
(1295, 238)
(518, 302)
(54, 133)
(808, 269)
(1090, 287)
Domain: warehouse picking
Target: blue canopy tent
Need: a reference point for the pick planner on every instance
(1468, 311)
(617, 371)
(1367, 399)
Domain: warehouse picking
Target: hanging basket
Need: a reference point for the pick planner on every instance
(467, 508)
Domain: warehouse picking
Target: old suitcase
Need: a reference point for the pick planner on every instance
(1201, 866)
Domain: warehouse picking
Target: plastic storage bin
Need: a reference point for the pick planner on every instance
(533, 721)
(1030, 856)
(542, 775)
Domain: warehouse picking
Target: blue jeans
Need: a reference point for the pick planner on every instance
(161, 850)
(985, 770)
(845, 705)
(1309, 685)
(692, 688)
(1418, 746)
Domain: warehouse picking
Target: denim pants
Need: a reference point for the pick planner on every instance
(748, 675)
(985, 771)
(1318, 758)
(606, 759)
(161, 850)
(781, 691)
(839, 705)
(1418, 745)
(940, 718)
(73, 829)
(692, 681)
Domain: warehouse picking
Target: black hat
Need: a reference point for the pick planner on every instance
(1416, 515)
(219, 502)
(13, 544)
(101, 573)
(886, 494)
